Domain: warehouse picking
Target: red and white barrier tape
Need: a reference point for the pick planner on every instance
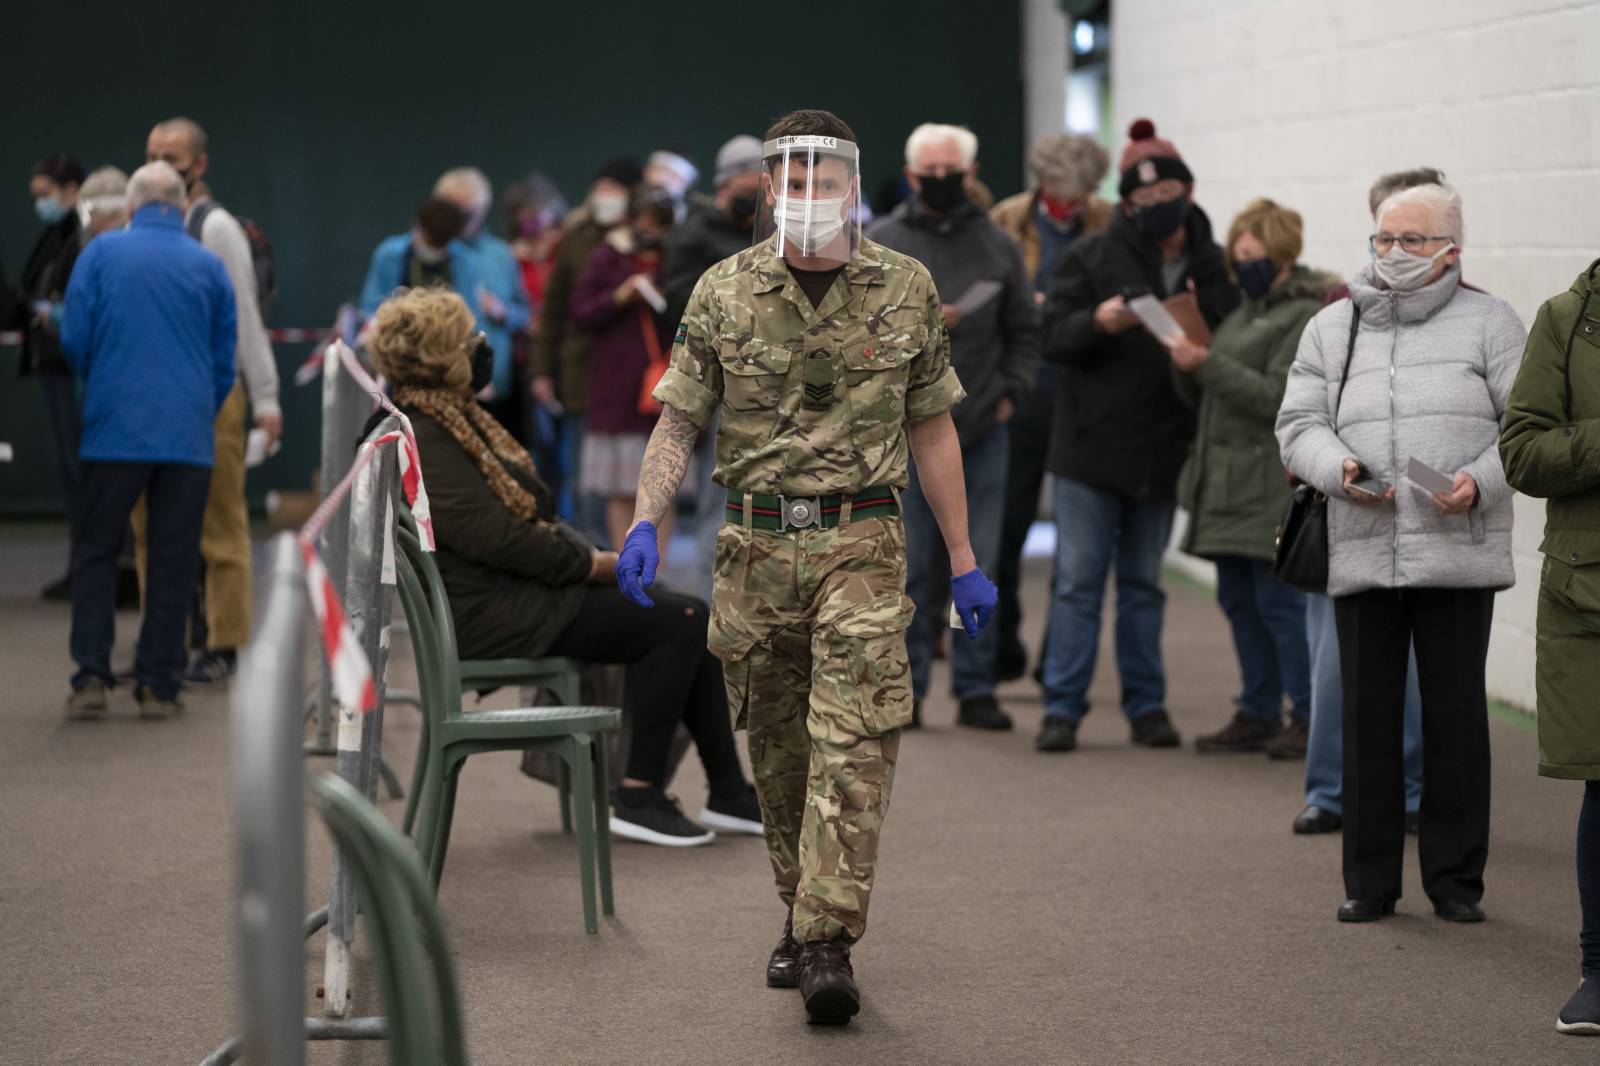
(352, 674)
(410, 456)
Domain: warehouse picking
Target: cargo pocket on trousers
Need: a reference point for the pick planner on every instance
(876, 672)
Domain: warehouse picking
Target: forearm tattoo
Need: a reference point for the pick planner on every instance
(666, 460)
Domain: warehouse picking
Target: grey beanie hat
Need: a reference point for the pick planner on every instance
(740, 155)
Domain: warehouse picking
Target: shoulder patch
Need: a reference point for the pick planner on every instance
(683, 332)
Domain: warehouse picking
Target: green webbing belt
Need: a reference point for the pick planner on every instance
(785, 514)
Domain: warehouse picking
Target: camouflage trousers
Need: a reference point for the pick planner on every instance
(810, 627)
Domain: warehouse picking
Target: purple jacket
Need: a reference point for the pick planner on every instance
(619, 354)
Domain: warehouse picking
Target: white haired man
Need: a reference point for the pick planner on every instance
(149, 327)
(495, 292)
(225, 537)
(994, 334)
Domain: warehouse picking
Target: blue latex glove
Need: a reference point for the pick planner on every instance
(637, 562)
(976, 599)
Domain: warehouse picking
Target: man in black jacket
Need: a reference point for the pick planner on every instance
(994, 338)
(716, 228)
(1121, 434)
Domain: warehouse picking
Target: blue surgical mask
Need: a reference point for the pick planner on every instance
(50, 210)
(1255, 276)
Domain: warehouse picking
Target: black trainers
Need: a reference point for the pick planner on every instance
(737, 812)
(1059, 733)
(916, 715)
(653, 817)
(1242, 733)
(982, 712)
(1581, 1015)
(210, 667)
(1154, 730)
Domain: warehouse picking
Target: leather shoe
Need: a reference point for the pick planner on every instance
(1154, 730)
(982, 712)
(1365, 910)
(783, 965)
(827, 982)
(1456, 911)
(1059, 733)
(1315, 819)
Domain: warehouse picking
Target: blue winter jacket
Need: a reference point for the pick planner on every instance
(485, 262)
(150, 327)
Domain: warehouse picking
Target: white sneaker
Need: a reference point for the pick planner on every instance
(740, 813)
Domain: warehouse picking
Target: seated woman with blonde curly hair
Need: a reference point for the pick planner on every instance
(522, 583)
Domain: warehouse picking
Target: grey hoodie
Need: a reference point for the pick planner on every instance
(1430, 376)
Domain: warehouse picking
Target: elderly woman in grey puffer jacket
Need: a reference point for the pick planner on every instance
(1430, 365)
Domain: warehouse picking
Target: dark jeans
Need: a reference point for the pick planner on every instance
(971, 661)
(671, 678)
(1268, 619)
(1449, 629)
(1589, 877)
(1096, 530)
(176, 498)
(65, 421)
(1030, 446)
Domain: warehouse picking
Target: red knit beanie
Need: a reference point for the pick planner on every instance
(1148, 159)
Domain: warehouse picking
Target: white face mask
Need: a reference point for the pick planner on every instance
(608, 208)
(809, 225)
(427, 253)
(1402, 271)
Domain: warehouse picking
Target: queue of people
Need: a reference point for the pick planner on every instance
(1411, 402)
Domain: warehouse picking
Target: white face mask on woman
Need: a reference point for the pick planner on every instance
(1402, 271)
(809, 225)
(608, 208)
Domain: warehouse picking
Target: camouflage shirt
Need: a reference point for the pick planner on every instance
(813, 401)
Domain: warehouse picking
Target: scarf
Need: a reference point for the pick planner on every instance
(481, 437)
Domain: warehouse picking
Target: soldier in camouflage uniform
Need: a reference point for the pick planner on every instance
(826, 381)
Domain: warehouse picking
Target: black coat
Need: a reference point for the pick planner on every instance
(45, 278)
(703, 239)
(995, 349)
(514, 586)
(1120, 426)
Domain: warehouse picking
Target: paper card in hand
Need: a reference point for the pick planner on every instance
(652, 296)
(1156, 318)
(1428, 478)
(978, 293)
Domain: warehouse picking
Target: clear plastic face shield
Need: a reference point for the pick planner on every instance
(810, 199)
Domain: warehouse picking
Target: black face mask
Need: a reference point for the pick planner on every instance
(482, 365)
(1255, 276)
(946, 193)
(742, 209)
(1161, 220)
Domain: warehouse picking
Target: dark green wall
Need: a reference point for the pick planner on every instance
(328, 123)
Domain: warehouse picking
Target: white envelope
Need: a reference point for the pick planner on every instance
(1427, 477)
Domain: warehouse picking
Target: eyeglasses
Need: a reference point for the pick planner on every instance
(1380, 243)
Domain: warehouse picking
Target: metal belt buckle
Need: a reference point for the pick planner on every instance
(800, 513)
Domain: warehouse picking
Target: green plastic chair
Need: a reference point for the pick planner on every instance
(408, 938)
(556, 674)
(574, 734)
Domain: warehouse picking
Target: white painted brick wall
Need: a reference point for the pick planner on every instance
(1307, 101)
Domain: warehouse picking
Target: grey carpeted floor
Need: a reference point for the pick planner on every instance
(1109, 906)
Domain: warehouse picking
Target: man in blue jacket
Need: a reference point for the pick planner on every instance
(149, 327)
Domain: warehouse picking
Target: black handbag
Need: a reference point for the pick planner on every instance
(1300, 555)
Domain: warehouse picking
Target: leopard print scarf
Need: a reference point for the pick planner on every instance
(483, 438)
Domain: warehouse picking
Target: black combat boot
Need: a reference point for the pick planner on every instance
(827, 983)
(783, 965)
